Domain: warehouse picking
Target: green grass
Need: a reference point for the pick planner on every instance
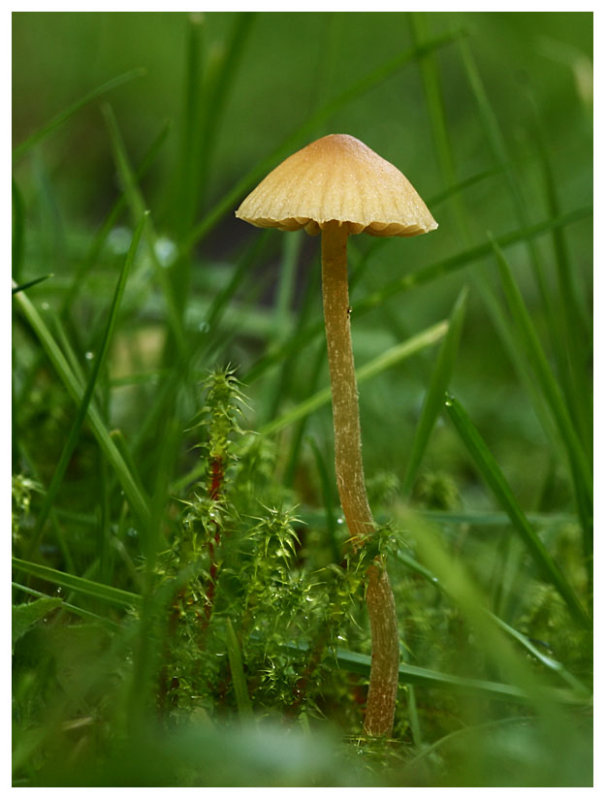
(185, 608)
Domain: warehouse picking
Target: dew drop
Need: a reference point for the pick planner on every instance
(119, 240)
(166, 251)
(89, 355)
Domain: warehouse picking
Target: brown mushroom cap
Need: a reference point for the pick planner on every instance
(337, 178)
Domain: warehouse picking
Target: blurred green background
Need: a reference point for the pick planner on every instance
(490, 116)
(536, 72)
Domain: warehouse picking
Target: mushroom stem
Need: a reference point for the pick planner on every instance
(351, 485)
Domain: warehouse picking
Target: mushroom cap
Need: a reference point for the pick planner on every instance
(337, 178)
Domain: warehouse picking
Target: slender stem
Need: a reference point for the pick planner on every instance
(383, 687)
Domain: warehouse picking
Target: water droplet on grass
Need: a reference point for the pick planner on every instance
(166, 251)
(119, 240)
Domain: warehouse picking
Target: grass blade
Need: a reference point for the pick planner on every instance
(219, 94)
(438, 385)
(386, 360)
(359, 664)
(237, 671)
(74, 433)
(327, 486)
(74, 388)
(579, 463)
(28, 285)
(137, 206)
(413, 279)
(464, 258)
(63, 116)
(456, 581)
(418, 278)
(84, 267)
(494, 478)
(433, 95)
(298, 434)
(497, 142)
(80, 612)
(185, 202)
(26, 615)
(73, 583)
(575, 339)
(524, 641)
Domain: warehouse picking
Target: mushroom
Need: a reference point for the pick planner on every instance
(337, 186)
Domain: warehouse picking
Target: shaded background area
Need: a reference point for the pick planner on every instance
(490, 116)
(536, 72)
(292, 63)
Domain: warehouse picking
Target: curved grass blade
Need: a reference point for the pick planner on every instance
(237, 671)
(74, 433)
(494, 478)
(81, 612)
(428, 65)
(137, 206)
(294, 461)
(497, 647)
(34, 282)
(439, 382)
(219, 93)
(435, 103)
(283, 323)
(280, 353)
(495, 518)
(329, 501)
(359, 663)
(556, 666)
(455, 188)
(73, 583)
(26, 615)
(386, 360)
(575, 334)
(194, 103)
(63, 116)
(416, 278)
(579, 464)
(497, 142)
(448, 265)
(74, 388)
(85, 265)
